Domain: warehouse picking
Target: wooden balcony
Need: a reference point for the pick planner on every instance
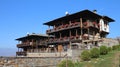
(64, 27)
(94, 24)
(22, 53)
(23, 45)
(34, 44)
(64, 39)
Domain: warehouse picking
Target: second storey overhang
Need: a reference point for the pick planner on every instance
(82, 14)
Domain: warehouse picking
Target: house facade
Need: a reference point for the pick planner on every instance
(66, 36)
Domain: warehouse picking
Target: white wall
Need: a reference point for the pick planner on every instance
(103, 27)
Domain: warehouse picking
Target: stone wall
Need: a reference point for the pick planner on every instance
(30, 61)
(109, 42)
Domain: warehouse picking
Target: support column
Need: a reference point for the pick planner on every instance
(18, 49)
(88, 28)
(88, 33)
(70, 33)
(48, 27)
(69, 22)
(70, 44)
(60, 35)
(37, 46)
(81, 27)
(54, 26)
(32, 45)
(93, 35)
(76, 33)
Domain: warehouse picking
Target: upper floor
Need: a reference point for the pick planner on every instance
(82, 19)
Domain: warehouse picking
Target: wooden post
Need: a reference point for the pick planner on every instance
(32, 45)
(69, 22)
(54, 26)
(93, 35)
(37, 45)
(76, 32)
(48, 27)
(54, 35)
(60, 35)
(88, 33)
(81, 27)
(88, 28)
(70, 44)
(18, 49)
(70, 33)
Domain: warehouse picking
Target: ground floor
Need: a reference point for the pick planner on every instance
(58, 50)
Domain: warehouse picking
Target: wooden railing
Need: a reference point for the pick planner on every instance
(31, 44)
(63, 27)
(94, 24)
(23, 53)
(63, 39)
(23, 45)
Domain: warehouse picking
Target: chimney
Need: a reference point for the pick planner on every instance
(95, 11)
(66, 13)
(27, 33)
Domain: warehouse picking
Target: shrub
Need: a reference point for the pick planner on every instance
(63, 63)
(115, 47)
(95, 52)
(85, 55)
(109, 49)
(103, 50)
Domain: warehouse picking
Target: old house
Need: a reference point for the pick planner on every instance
(67, 35)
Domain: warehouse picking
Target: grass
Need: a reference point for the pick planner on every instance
(112, 59)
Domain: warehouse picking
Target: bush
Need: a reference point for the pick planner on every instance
(103, 50)
(115, 47)
(85, 55)
(63, 63)
(109, 49)
(95, 52)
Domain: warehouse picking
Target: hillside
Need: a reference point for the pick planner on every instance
(112, 59)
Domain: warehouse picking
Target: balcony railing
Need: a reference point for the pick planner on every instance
(94, 24)
(23, 45)
(22, 53)
(31, 44)
(64, 27)
(64, 39)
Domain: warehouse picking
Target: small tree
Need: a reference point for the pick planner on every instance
(85, 55)
(66, 63)
(95, 52)
(103, 50)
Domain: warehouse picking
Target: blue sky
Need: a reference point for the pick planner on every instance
(17, 17)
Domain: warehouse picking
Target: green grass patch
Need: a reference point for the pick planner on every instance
(103, 61)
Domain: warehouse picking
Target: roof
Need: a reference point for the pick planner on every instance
(108, 19)
(82, 14)
(32, 36)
